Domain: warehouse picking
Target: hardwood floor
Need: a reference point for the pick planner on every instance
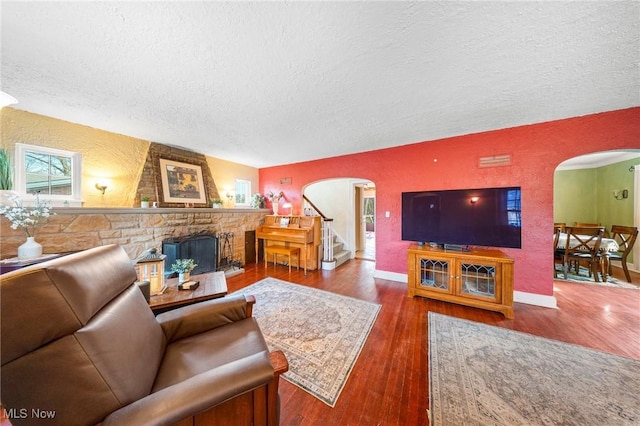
(389, 383)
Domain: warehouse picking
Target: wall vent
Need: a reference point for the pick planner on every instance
(495, 161)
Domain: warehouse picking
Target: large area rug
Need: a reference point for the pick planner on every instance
(321, 333)
(584, 278)
(488, 375)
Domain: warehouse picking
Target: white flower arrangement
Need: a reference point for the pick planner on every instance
(183, 265)
(274, 197)
(26, 218)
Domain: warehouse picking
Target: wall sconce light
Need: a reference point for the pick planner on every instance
(101, 188)
(474, 200)
(621, 194)
(288, 206)
(229, 196)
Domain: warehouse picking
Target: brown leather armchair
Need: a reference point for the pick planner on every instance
(79, 342)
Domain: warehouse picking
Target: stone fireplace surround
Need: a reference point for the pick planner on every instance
(135, 229)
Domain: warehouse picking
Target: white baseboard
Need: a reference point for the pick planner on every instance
(535, 299)
(518, 296)
(391, 276)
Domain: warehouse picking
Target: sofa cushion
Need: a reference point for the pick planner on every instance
(219, 347)
(58, 378)
(33, 313)
(56, 298)
(92, 278)
(125, 343)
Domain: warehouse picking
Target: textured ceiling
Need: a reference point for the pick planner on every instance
(270, 83)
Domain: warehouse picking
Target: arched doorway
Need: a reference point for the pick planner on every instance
(348, 201)
(589, 189)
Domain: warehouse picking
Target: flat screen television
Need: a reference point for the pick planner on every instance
(488, 217)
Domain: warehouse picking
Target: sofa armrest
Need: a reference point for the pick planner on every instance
(197, 394)
(200, 317)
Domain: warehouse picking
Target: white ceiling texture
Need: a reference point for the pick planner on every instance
(269, 83)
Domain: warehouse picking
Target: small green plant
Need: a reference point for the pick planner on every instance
(183, 265)
(216, 201)
(145, 198)
(258, 201)
(6, 177)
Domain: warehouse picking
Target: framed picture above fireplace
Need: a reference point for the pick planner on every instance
(181, 183)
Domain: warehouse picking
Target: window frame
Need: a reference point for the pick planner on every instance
(247, 194)
(20, 181)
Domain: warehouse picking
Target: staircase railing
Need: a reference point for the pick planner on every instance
(328, 261)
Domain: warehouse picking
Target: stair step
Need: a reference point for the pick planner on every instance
(341, 257)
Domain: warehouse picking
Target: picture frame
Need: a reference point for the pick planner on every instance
(181, 182)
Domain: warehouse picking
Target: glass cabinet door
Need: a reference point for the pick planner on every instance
(478, 280)
(434, 274)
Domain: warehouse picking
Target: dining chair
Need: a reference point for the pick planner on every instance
(625, 236)
(586, 224)
(583, 246)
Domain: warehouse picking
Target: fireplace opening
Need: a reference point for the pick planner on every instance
(202, 248)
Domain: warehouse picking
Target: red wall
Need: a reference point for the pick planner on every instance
(535, 152)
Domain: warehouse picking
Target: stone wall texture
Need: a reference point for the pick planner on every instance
(136, 231)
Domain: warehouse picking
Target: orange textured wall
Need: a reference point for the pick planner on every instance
(452, 163)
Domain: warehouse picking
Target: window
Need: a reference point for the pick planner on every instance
(53, 174)
(514, 214)
(243, 192)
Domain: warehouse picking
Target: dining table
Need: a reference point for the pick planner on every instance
(606, 244)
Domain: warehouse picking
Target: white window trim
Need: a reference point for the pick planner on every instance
(247, 194)
(20, 184)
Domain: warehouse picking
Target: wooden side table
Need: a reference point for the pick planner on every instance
(212, 286)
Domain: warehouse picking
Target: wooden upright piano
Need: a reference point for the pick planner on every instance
(293, 231)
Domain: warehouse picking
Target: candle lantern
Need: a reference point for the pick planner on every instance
(151, 268)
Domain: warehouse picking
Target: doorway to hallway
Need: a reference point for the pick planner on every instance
(365, 195)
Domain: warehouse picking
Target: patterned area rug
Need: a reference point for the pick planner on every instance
(487, 375)
(584, 278)
(321, 333)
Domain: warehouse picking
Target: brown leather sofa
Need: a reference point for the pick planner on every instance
(80, 343)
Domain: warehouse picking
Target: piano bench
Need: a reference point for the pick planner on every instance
(286, 251)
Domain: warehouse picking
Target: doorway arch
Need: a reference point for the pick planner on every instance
(342, 199)
(585, 189)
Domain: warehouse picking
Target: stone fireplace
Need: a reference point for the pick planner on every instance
(136, 230)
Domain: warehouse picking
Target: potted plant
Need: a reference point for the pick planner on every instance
(144, 202)
(183, 267)
(6, 180)
(258, 201)
(216, 203)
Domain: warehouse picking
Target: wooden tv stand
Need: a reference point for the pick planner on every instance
(482, 278)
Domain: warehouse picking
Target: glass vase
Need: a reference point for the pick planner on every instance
(30, 249)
